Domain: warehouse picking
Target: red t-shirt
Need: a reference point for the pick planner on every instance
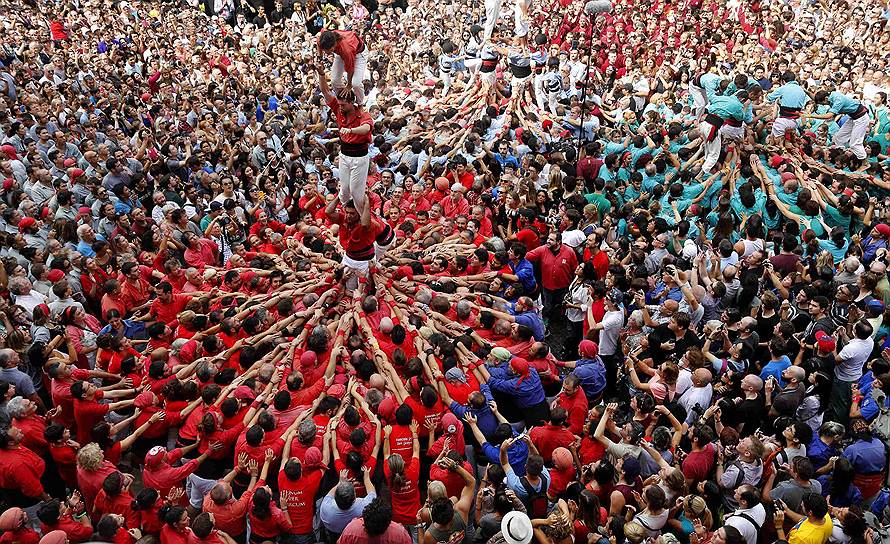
(698, 464)
(357, 119)
(74, 530)
(401, 442)
(405, 500)
(25, 535)
(300, 498)
(166, 313)
(66, 461)
(270, 527)
(87, 413)
(528, 238)
(61, 393)
(424, 415)
(169, 535)
(549, 437)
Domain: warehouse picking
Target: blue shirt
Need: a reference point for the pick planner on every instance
(591, 375)
(789, 95)
(334, 519)
(517, 455)
(526, 274)
(528, 392)
(819, 453)
(515, 484)
(727, 107)
(851, 497)
(485, 418)
(86, 249)
(775, 368)
(710, 82)
(839, 103)
(869, 407)
(132, 329)
(866, 383)
(866, 457)
(532, 320)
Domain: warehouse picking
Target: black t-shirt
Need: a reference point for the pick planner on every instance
(750, 412)
(663, 334)
(816, 363)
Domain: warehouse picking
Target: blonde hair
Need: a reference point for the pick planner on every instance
(436, 490)
(634, 532)
(675, 480)
(698, 508)
(90, 457)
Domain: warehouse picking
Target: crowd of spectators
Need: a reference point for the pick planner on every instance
(625, 275)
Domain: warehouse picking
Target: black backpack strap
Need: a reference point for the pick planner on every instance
(741, 477)
(529, 490)
(747, 518)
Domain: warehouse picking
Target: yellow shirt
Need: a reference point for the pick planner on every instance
(807, 532)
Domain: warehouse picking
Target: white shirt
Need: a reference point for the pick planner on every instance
(612, 323)
(573, 238)
(30, 301)
(758, 514)
(578, 294)
(693, 396)
(852, 358)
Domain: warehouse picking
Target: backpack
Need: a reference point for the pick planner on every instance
(881, 424)
(537, 502)
(880, 532)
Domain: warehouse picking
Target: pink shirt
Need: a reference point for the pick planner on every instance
(354, 533)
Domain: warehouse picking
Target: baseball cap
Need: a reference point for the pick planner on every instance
(243, 392)
(155, 456)
(825, 342)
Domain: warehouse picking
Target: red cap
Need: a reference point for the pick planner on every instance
(8, 183)
(775, 161)
(825, 342)
(9, 151)
(242, 392)
(144, 400)
(55, 275)
(26, 223)
(76, 173)
(788, 175)
(155, 456)
(69, 162)
(337, 391)
(883, 228)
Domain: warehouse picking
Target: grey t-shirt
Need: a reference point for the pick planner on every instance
(335, 519)
(792, 492)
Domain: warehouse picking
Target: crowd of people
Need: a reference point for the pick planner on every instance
(459, 272)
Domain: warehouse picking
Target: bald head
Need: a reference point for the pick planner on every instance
(671, 305)
(160, 354)
(376, 381)
(221, 493)
(796, 373)
(752, 383)
(701, 377)
(851, 265)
